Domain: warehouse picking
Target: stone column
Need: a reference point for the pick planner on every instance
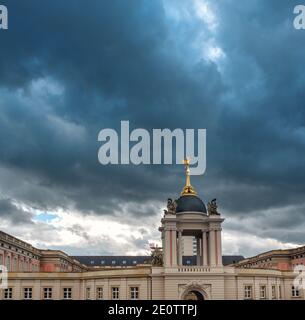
(163, 243)
(180, 262)
(219, 248)
(174, 247)
(212, 248)
(166, 249)
(204, 248)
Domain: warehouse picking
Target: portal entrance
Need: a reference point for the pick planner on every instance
(194, 295)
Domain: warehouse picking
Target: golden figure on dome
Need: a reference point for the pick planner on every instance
(188, 189)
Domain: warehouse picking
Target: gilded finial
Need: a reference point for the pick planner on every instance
(188, 189)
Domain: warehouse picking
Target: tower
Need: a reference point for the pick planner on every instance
(188, 216)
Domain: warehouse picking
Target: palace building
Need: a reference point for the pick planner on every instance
(189, 266)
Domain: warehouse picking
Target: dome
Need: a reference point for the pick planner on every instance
(190, 203)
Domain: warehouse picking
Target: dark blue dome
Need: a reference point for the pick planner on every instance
(190, 203)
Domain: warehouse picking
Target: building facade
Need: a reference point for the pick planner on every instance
(199, 272)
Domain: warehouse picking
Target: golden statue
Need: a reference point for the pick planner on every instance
(188, 190)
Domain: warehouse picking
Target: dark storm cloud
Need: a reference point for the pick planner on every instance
(10, 212)
(119, 66)
(69, 69)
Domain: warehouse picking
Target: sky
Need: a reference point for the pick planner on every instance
(71, 68)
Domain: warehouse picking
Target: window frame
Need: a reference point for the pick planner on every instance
(248, 289)
(295, 292)
(68, 292)
(100, 293)
(273, 292)
(8, 293)
(27, 293)
(47, 293)
(263, 289)
(115, 290)
(134, 290)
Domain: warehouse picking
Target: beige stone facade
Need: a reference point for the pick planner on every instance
(48, 274)
(146, 283)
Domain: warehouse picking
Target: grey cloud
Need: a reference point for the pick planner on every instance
(9, 211)
(118, 60)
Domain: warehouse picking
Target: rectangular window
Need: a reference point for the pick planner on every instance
(248, 292)
(88, 293)
(134, 293)
(115, 293)
(47, 293)
(262, 292)
(280, 292)
(67, 293)
(99, 293)
(295, 292)
(8, 293)
(273, 291)
(27, 293)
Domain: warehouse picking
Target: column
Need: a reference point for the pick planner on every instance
(180, 262)
(212, 248)
(174, 247)
(219, 248)
(204, 249)
(198, 251)
(163, 244)
(166, 249)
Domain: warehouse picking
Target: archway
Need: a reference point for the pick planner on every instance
(193, 295)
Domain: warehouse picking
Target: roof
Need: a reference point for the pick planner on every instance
(113, 261)
(128, 261)
(190, 203)
(226, 260)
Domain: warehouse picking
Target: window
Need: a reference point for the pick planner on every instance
(115, 293)
(124, 261)
(262, 292)
(134, 293)
(8, 293)
(47, 293)
(27, 293)
(113, 262)
(273, 291)
(88, 293)
(280, 292)
(99, 293)
(248, 292)
(295, 292)
(67, 293)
